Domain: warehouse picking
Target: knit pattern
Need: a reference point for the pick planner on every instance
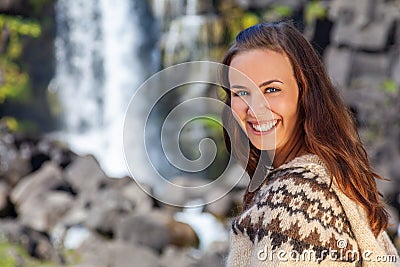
(297, 219)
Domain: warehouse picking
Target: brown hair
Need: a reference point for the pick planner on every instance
(327, 124)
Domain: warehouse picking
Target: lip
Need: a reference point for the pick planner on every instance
(249, 125)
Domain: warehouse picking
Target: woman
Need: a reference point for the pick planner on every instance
(319, 205)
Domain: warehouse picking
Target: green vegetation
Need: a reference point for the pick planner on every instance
(314, 10)
(12, 255)
(390, 86)
(278, 12)
(14, 82)
(214, 127)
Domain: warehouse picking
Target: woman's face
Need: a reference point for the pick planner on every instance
(265, 103)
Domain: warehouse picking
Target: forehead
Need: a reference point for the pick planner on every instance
(260, 65)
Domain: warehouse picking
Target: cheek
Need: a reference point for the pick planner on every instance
(287, 110)
(239, 108)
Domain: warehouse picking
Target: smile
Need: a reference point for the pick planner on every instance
(264, 127)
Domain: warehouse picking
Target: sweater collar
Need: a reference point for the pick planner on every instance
(300, 161)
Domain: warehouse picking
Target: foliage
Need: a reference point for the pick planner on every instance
(12, 255)
(10, 123)
(14, 82)
(390, 86)
(213, 124)
(314, 10)
(278, 12)
(249, 19)
(236, 19)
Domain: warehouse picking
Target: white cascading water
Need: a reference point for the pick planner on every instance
(104, 52)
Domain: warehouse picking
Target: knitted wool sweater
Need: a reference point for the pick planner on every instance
(296, 219)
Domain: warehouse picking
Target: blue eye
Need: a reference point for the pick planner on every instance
(271, 90)
(239, 93)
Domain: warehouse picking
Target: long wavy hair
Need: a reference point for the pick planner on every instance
(327, 124)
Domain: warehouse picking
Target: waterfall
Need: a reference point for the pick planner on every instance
(105, 49)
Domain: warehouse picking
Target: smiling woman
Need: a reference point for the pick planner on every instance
(318, 203)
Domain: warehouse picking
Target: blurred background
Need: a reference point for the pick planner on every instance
(68, 69)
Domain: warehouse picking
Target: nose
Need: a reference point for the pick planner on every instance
(257, 106)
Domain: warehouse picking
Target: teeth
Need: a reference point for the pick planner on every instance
(265, 127)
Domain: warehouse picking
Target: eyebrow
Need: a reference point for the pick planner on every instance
(269, 82)
(261, 85)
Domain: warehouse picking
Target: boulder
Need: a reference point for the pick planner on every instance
(85, 175)
(3, 198)
(368, 64)
(174, 256)
(214, 256)
(107, 210)
(396, 70)
(44, 211)
(35, 243)
(356, 21)
(182, 234)
(138, 194)
(338, 62)
(47, 178)
(14, 163)
(146, 229)
(102, 253)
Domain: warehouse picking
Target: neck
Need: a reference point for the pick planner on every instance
(294, 148)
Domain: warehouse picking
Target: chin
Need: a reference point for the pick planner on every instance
(264, 146)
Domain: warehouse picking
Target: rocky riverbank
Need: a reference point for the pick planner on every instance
(62, 208)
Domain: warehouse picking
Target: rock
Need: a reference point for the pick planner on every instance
(141, 201)
(356, 21)
(97, 252)
(208, 228)
(36, 244)
(173, 256)
(43, 212)
(47, 178)
(133, 191)
(85, 175)
(338, 62)
(107, 210)
(14, 164)
(3, 198)
(182, 234)
(368, 64)
(214, 256)
(146, 229)
(396, 70)
(56, 150)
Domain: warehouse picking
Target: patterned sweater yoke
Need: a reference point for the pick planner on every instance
(296, 219)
